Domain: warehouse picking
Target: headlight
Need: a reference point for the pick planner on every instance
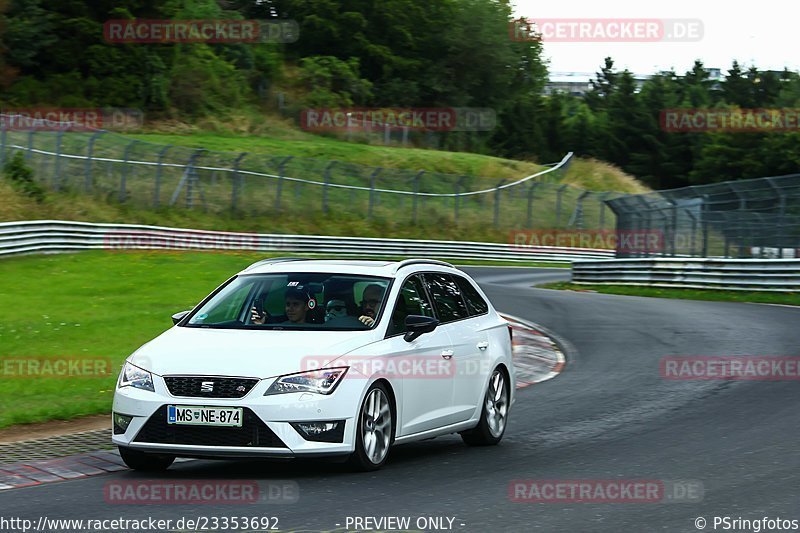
(320, 381)
(133, 376)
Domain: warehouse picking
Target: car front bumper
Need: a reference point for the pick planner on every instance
(276, 412)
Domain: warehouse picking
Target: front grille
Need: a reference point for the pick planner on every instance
(253, 432)
(193, 386)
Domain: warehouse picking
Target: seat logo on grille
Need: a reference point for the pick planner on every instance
(207, 386)
(240, 388)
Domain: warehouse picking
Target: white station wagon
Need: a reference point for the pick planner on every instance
(294, 357)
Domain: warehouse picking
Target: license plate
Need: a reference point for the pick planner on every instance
(204, 416)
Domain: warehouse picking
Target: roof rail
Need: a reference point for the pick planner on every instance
(407, 262)
(275, 260)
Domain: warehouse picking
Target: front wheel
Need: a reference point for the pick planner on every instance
(492, 424)
(374, 430)
(147, 462)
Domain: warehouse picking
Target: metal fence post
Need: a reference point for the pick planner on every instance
(497, 193)
(3, 141)
(159, 170)
(602, 200)
(529, 216)
(693, 240)
(123, 195)
(193, 180)
(29, 154)
(416, 194)
(457, 197)
(372, 179)
(704, 221)
(57, 173)
(559, 192)
(281, 175)
(781, 238)
(88, 182)
(577, 215)
(674, 231)
(327, 179)
(236, 186)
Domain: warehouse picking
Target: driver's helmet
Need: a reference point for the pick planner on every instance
(335, 309)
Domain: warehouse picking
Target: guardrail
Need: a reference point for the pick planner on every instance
(53, 236)
(731, 274)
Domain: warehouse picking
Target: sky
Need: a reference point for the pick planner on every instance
(762, 33)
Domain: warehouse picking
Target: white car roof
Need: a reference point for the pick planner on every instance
(344, 266)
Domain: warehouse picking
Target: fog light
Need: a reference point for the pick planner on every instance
(121, 423)
(323, 431)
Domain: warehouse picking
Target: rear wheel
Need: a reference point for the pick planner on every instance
(374, 430)
(147, 462)
(492, 425)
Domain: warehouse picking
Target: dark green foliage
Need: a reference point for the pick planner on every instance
(401, 53)
(21, 177)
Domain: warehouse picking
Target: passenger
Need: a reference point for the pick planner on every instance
(335, 309)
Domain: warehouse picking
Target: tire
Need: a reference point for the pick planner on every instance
(494, 415)
(374, 430)
(146, 462)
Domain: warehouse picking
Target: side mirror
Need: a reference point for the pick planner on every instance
(416, 325)
(177, 317)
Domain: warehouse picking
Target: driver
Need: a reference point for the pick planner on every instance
(371, 301)
(297, 304)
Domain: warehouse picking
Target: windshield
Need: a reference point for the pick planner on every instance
(303, 301)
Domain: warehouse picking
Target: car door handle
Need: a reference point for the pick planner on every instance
(482, 345)
(447, 354)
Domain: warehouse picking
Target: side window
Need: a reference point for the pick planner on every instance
(229, 308)
(412, 300)
(446, 297)
(475, 302)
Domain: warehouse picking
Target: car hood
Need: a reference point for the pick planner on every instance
(229, 352)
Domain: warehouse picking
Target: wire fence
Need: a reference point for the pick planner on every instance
(146, 174)
(755, 218)
(745, 218)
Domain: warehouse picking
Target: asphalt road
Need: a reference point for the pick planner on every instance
(610, 415)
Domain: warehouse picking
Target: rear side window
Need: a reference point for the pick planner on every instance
(412, 300)
(446, 297)
(475, 302)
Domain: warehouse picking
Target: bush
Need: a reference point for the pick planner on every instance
(21, 177)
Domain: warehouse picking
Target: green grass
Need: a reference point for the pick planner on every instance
(785, 298)
(317, 147)
(266, 205)
(96, 305)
